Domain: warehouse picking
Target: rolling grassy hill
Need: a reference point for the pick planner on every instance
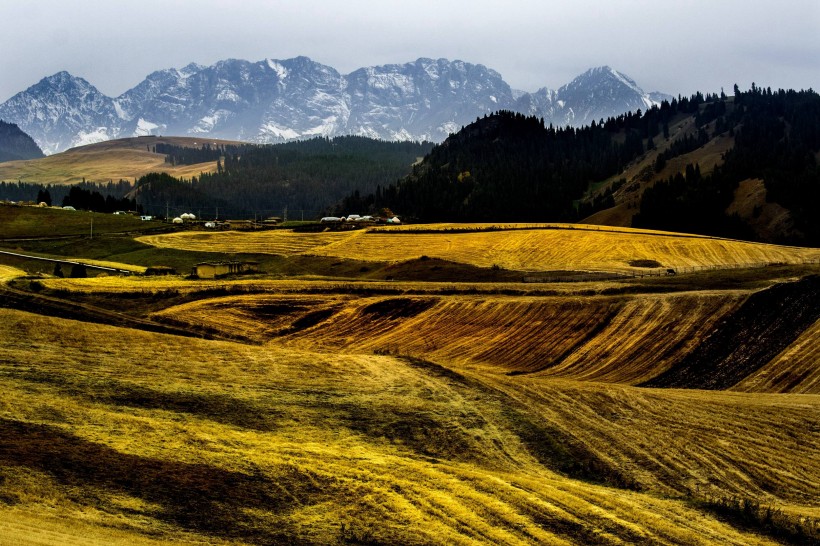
(338, 407)
(22, 222)
(195, 440)
(522, 248)
(122, 159)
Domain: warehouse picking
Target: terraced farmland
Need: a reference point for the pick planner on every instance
(591, 249)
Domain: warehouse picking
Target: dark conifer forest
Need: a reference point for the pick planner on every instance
(15, 144)
(777, 139)
(109, 197)
(509, 167)
(306, 178)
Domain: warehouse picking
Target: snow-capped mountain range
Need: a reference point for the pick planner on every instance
(278, 100)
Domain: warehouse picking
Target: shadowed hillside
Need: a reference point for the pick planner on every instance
(743, 342)
(677, 167)
(15, 144)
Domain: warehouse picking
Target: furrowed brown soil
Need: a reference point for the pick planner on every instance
(795, 369)
(767, 323)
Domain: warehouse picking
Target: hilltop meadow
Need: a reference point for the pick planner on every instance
(436, 384)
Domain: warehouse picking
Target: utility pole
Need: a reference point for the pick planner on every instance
(166, 211)
(92, 228)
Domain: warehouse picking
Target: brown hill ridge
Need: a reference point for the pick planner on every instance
(113, 160)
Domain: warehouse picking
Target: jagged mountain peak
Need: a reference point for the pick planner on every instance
(60, 77)
(273, 100)
(62, 111)
(62, 82)
(190, 68)
(599, 93)
(603, 74)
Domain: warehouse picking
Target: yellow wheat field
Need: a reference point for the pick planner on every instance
(613, 339)
(403, 412)
(115, 284)
(581, 248)
(139, 269)
(326, 448)
(7, 273)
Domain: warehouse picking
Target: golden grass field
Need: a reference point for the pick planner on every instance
(353, 411)
(7, 273)
(113, 160)
(396, 452)
(580, 248)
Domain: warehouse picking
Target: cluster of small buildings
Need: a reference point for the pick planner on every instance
(359, 219)
(212, 270)
(184, 217)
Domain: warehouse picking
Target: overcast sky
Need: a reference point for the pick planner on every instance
(676, 47)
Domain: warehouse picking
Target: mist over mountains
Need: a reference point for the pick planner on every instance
(273, 101)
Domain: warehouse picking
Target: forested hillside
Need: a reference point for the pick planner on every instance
(777, 139)
(304, 177)
(15, 144)
(57, 194)
(508, 167)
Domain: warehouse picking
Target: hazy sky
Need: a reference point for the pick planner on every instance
(677, 46)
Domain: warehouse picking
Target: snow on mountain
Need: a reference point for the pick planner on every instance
(425, 99)
(599, 93)
(542, 103)
(63, 111)
(278, 100)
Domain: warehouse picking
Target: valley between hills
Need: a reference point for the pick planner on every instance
(456, 384)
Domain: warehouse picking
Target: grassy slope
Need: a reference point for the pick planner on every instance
(118, 442)
(570, 248)
(125, 159)
(769, 221)
(30, 222)
(116, 435)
